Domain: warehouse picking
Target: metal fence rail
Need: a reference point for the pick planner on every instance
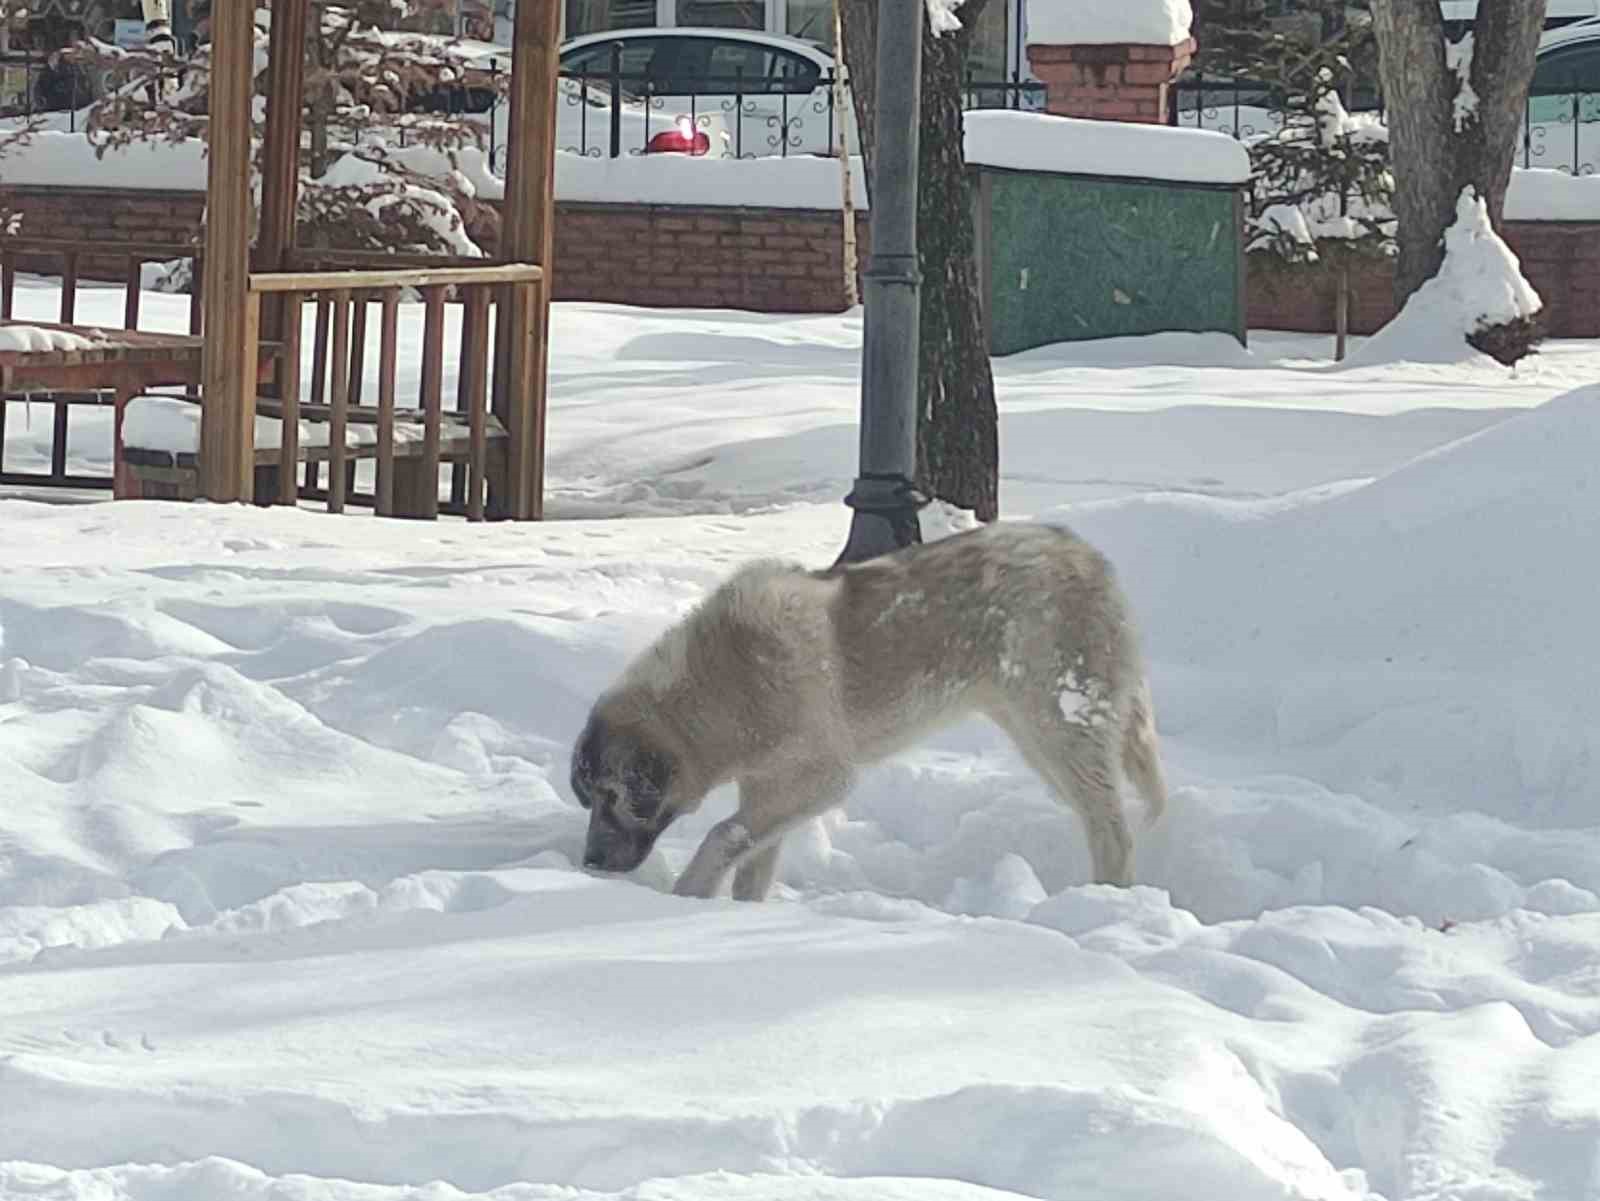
(1561, 129)
(601, 114)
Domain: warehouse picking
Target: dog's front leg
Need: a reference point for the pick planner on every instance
(769, 806)
(726, 842)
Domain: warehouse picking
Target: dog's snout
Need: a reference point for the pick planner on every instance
(593, 860)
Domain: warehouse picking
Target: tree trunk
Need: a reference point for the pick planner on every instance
(957, 438)
(1341, 311)
(1440, 155)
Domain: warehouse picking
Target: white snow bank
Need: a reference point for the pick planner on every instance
(31, 337)
(798, 182)
(1537, 195)
(58, 159)
(1427, 636)
(1103, 22)
(1479, 284)
(172, 424)
(1068, 145)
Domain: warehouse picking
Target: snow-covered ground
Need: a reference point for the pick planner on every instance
(287, 903)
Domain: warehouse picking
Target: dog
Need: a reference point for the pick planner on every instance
(788, 681)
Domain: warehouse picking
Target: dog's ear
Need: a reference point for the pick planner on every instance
(649, 774)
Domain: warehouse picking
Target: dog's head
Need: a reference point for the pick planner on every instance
(623, 780)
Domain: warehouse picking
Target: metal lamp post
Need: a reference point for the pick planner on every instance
(884, 498)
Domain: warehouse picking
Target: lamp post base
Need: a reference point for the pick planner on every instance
(885, 517)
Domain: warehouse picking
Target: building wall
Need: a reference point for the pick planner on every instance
(765, 260)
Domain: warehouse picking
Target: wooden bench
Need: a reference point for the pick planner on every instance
(168, 475)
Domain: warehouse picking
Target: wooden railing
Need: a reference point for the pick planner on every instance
(48, 255)
(336, 389)
(71, 255)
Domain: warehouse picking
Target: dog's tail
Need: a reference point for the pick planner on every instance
(1141, 756)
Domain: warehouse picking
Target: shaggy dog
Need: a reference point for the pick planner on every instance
(788, 681)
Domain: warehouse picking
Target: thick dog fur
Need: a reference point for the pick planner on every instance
(788, 681)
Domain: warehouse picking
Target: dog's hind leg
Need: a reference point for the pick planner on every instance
(1079, 763)
(769, 806)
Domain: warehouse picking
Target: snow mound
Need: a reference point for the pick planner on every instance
(1427, 636)
(1071, 145)
(1093, 22)
(1480, 284)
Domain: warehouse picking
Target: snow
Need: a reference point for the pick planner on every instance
(1464, 108)
(287, 899)
(1094, 22)
(1068, 145)
(942, 16)
(60, 159)
(31, 337)
(1552, 196)
(1480, 284)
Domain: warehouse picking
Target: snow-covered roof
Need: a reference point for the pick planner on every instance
(1067, 145)
(1108, 22)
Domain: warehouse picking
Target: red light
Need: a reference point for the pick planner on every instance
(682, 139)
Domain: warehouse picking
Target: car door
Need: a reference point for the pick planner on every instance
(1563, 125)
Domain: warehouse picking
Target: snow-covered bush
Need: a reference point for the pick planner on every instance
(371, 84)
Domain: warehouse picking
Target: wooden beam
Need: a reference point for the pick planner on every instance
(338, 422)
(404, 277)
(526, 236)
(388, 351)
(280, 166)
(427, 505)
(280, 156)
(228, 374)
(289, 398)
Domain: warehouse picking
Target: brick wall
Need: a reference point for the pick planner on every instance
(767, 260)
(1561, 259)
(789, 260)
(1109, 83)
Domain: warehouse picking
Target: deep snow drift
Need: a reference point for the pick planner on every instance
(287, 904)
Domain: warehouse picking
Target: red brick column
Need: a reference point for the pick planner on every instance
(1111, 83)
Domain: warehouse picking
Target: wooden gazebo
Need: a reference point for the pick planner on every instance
(250, 298)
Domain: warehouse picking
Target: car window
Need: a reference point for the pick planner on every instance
(1570, 69)
(638, 59)
(745, 65)
(799, 74)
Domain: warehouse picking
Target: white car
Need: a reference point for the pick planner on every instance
(771, 94)
(1562, 127)
(1563, 124)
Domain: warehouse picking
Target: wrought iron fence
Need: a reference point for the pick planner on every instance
(605, 114)
(33, 85)
(1561, 129)
(613, 113)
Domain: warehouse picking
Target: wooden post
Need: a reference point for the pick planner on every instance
(131, 292)
(339, 401)
(280, 157)
(229, 365)
(526, 236)
(1341, 311)
(289, 396)
(476, 345)
(842, 116)
(69, 288)
(388, 349)
(426, 504)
